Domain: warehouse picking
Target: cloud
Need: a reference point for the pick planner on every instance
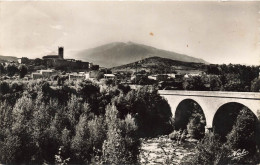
(57, 27)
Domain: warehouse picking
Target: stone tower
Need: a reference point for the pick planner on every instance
(61, 51)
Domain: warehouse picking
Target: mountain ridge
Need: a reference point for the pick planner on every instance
(160, 65)
(8, 58)
(120, 53)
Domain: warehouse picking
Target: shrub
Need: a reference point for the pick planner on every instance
(179, 135)
(196, 127)
(175, 135)
(210, 151)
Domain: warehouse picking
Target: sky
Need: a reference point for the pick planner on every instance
(218, 32)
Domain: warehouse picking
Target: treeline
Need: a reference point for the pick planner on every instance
(234, 77)
(12, 69)
(83, 124)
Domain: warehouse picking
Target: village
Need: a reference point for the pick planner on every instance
(51, 67)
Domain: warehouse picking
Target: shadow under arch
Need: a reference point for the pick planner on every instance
(184, 111)
(226, 116)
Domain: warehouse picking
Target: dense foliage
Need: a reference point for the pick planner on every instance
(41, 122)
(241, 146)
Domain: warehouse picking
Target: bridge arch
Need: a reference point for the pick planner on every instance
(185, 110)
(226, 115)
(211, 101)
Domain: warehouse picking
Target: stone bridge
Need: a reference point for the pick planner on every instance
(212, 101)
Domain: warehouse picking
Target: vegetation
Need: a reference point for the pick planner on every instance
(255, 85)
(85, 123)
(22, 70)
(241, 146)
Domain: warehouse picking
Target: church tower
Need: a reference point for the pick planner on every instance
(61, 51)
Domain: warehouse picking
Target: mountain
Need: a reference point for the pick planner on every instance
(161, 65)
(8, 58)
(119, 53)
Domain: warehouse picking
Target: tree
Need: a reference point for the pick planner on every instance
(231, 82)
(21, 128)
(38, 62)
(193, 83)
(11, 70)
(196, 126)
(215, 83)
(100, 75)
(255, 85)
(151, 111)
(120, 147)
(213, 69)
(80, 142)
(4, 87)
(22, 70)
(95, 67)
(2, 70)
(87, 90)
(243, 132)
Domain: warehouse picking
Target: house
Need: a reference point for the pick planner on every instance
(43, 74)
(47, 73)
(36, 76)
(77, 76)
(171, 75)
(159, 77)
(152, 77)
(109, 76)
(192, 75)
(91, 75)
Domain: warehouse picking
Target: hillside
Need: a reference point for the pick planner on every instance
(119, 53)
(161, 65)
(8, 58)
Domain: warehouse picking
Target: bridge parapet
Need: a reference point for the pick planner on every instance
(222, 94)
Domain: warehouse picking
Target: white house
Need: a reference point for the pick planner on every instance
(109, 76)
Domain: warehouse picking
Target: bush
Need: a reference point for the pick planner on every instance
(178, 135)
(210, 151)
(196, 127)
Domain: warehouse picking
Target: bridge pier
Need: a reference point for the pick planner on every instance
(208, 129)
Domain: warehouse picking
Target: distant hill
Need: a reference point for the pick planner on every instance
(161, 65)
(8, 58)
(119, 53)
